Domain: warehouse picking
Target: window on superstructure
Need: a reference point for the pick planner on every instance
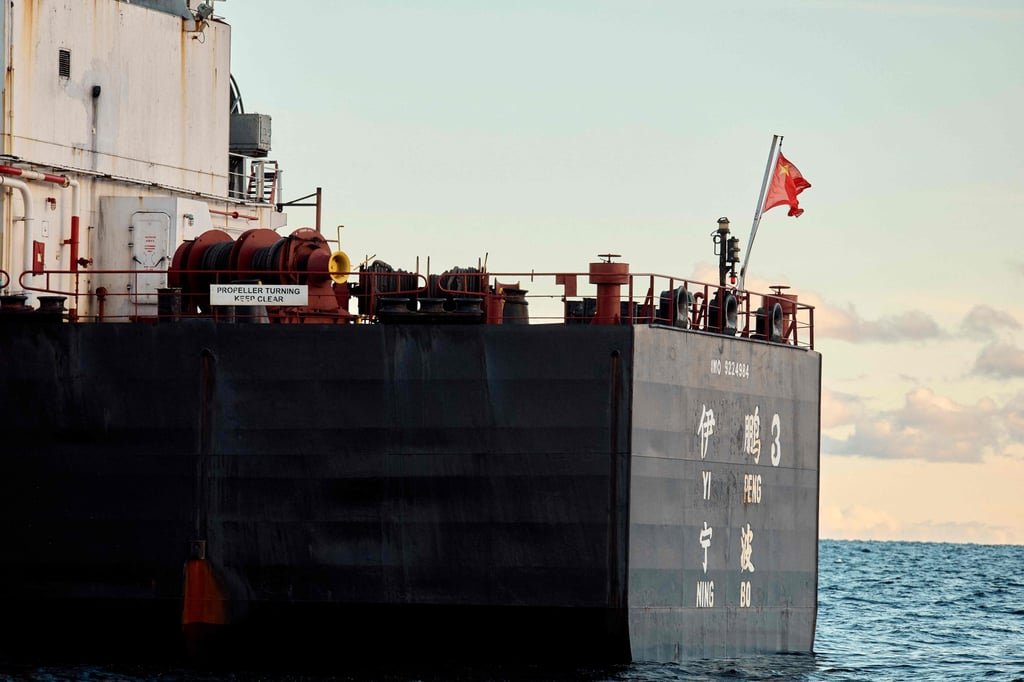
(64, 63)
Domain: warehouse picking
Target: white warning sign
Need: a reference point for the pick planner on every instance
(259, 294)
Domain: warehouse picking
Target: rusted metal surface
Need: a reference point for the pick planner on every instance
(571, 490)
(448, 468)
(681, 303)
(139, 54)
(541, 484)
(262, 255)
(724, 454)
(609, 278)
(165, 75)
(234, 214)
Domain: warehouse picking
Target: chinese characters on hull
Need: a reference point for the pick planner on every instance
(752, 435)
(705, 429)
(751, 447)
(705, 542)
(746, 565)
(746, 549)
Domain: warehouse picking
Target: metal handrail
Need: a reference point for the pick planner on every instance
(641, 302)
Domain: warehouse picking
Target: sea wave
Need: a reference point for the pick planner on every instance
(887, 611)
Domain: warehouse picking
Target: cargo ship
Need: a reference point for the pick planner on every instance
(220, 434)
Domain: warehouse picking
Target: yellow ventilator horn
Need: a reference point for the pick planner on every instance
(339, 266)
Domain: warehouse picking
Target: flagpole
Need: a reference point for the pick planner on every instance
(776, 144)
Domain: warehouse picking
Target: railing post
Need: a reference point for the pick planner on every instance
(629, 304)
(319, 207)
(672, 312)
(811, 331)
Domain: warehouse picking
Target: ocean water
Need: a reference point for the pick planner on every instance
(887, 611)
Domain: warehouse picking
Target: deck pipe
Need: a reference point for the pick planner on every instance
(26, 200)
(73, 239)
(609, 278)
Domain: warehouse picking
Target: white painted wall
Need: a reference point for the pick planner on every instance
(161, 117)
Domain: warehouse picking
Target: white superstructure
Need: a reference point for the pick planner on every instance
(129, 101)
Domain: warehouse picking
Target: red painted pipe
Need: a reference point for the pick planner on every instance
(101, 298)
(61, 180)
(235, 214)
(73, 238)
(74, 243)
(609, 278)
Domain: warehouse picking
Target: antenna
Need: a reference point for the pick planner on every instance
(205, 10)
(728, 251)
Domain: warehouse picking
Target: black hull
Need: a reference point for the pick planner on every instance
(298, 635)
(446, 492)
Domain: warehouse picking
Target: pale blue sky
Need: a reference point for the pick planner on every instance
(543, 133)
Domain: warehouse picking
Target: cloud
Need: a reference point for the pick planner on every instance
(847, 325)
(934, 428)
(1000, 360)
(865, 523)
(857, 523)
(960, 532)
(840, 408)
(1013, 419)
(984, 322)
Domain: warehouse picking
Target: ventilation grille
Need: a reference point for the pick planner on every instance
(64, 63)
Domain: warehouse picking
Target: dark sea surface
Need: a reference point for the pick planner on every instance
(888, 611)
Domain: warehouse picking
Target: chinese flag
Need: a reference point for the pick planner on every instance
(785, 185)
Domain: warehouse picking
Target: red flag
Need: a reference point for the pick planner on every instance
(786, 183)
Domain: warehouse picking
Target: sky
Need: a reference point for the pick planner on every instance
(539, 134)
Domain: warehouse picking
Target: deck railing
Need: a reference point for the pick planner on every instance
(398, 296)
